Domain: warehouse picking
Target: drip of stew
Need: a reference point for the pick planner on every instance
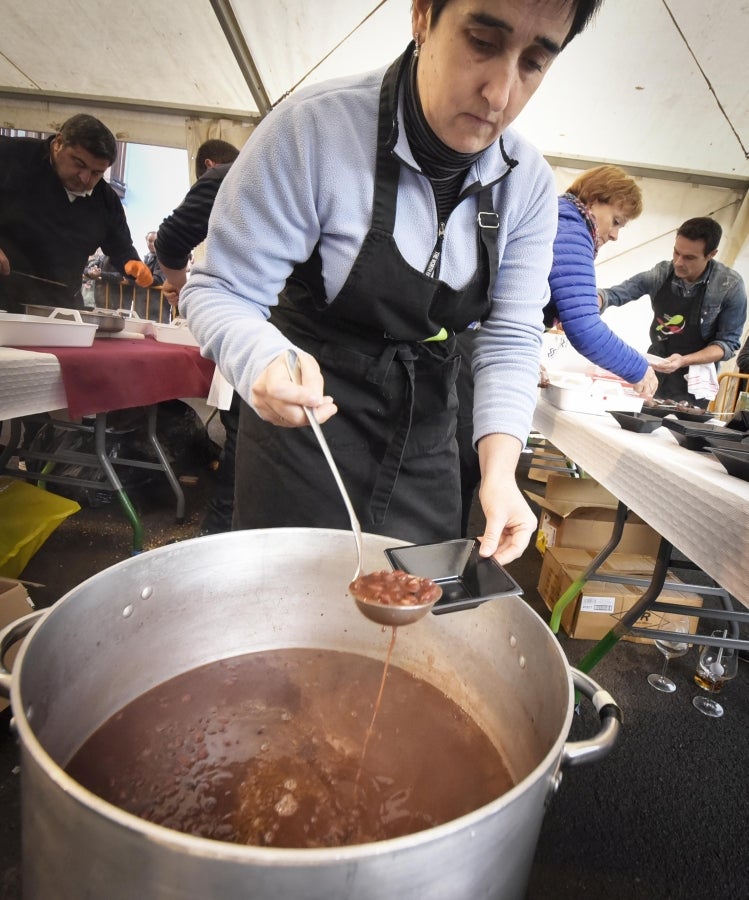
(267, 749)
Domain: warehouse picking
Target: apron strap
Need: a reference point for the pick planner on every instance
(391, 462)
(488, 224)
(387, 170)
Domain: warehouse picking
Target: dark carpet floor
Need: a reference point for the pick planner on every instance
(665, 815)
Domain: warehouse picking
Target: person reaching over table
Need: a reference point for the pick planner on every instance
(55, 211)
(177, 237)
(366, 222)
(699, 308)
(591, 212)
(186, 227)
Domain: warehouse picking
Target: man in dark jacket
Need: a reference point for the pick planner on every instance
(55, 211)
(177, 237)
(181, 232)
(699, 307)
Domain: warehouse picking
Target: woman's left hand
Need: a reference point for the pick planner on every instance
(510, 522)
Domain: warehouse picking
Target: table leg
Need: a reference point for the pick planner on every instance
(159, 451)
(100, 447)
(653, 591)
(574, 589)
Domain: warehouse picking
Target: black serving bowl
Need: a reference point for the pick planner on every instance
(740, 421)
(735, 462)
(466, 578)
(691, 441)
(659, 411)
(706, 429)
(689, 415)
(729, 443)
(636, 421)
(694, 435)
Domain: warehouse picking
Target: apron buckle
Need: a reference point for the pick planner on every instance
(488, 220)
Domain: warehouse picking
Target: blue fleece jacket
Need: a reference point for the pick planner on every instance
(306, 177)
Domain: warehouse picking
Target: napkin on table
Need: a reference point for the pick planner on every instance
(702, 381)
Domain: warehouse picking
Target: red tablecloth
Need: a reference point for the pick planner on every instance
(119, 374)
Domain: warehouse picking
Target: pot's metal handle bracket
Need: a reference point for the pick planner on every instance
(576, 752)
(9, 636)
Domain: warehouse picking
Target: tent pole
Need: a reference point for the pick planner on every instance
(235, 38)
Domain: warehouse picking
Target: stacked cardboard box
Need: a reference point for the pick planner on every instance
(14, 603)
(580, 513)
(599, 605)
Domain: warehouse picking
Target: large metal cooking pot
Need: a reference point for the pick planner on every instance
(170, 610)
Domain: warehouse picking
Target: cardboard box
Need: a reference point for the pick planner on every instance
(600, 604)
(14, 603)
(579, 512)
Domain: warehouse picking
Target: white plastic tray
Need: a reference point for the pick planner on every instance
(134, 325)
(589, 395)
(176, 333)
(18, 330)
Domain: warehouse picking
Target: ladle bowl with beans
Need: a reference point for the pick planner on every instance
(394, 597)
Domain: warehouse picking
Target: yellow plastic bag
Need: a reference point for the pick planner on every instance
(28, 516)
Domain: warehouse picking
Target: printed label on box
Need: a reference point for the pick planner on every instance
(598, 604)
(547, 534)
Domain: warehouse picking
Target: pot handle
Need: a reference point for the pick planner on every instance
(8, 636)
(576, 752)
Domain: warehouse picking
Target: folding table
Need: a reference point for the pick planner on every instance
(94, 382)
(686, 496)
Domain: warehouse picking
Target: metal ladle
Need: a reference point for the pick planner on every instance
(383, 614)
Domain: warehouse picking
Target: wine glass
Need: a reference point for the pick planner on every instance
(670, 649)
(716, 666)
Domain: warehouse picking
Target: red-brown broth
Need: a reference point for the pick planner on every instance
(266, 749)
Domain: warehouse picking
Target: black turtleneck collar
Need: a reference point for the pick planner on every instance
(443, 166)
(436, 159)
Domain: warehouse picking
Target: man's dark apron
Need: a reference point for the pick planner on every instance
(666, 305)
(393, 437)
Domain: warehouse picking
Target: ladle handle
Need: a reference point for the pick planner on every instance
(292, 365)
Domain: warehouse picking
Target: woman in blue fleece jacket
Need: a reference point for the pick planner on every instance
(367, 222)
(591, 212)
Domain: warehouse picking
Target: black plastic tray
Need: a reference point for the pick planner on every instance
(636, 421)
(466, 579)
(735, 462)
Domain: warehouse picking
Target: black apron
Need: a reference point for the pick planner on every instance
(676, 329)
(393, 437)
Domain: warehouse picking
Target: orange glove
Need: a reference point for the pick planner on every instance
(140, 272)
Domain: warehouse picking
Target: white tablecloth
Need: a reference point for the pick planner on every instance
(29, 383)
(686, 496)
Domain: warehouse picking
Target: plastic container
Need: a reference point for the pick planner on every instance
(176, 333)
(18, 330)
(134, 325)
(578, 393)
(28, 516)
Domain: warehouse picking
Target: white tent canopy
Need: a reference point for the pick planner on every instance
(658, 86)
